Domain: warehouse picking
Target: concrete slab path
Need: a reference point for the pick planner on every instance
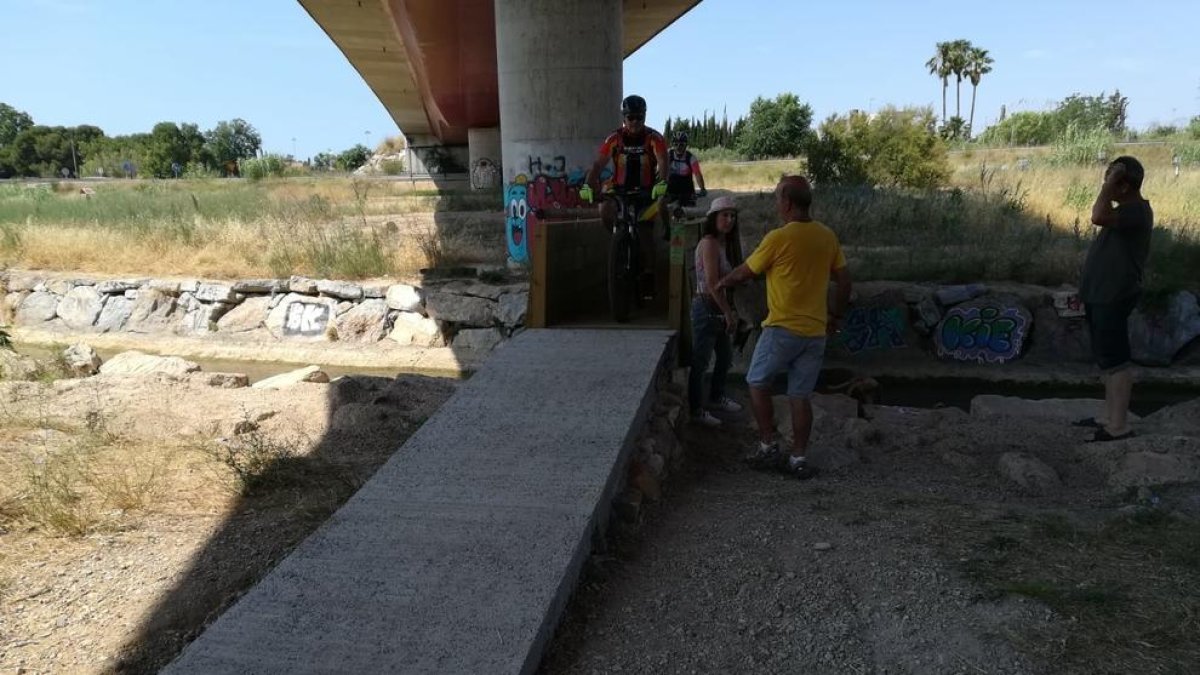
(459, 555)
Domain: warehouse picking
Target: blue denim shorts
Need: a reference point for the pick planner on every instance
(780, 350)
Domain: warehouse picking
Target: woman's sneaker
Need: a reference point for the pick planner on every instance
(706, 418)
(766, 457)
(726, 404)
(799, 469)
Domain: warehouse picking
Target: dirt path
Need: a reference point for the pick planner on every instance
(918, 559)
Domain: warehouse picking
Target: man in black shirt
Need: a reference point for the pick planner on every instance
(1110, 286)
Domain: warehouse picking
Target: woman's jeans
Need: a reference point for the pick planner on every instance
(708, 335)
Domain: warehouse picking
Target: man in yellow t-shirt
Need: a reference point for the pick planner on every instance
(798, 259)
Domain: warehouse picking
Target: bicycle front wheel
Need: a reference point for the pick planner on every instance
(621, 270)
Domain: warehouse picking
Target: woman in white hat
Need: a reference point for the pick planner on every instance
(713, 318)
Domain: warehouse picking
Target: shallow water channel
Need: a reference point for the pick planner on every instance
(255, 370)
(957, 393)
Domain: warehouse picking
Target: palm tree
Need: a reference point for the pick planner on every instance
(939, 67)
(956, 62)
(978, 65)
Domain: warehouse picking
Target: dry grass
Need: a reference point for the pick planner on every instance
(329, 227)
(73, 480)
(748, 177)
(1064, 195)
(1129, 587)
(998, 222)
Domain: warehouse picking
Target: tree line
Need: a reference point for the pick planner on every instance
(168, 150)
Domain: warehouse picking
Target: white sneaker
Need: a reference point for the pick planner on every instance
(707, 419)
(726, 404)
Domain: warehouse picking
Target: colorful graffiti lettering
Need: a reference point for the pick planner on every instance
(873, 328)
(554, 193)
(552, 187)
(516, 223)
(985, 334)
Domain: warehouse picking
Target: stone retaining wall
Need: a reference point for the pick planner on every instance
(995, 325)
(464, 314)
(659, 450)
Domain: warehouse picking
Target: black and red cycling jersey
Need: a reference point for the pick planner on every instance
(634, 157)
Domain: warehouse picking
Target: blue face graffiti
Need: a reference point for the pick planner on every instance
(515, 223)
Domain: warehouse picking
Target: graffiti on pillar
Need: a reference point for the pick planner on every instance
(871, 328)
(516, 223)
(485, 175)
(549, 185)
(555, 167)
(983, 334)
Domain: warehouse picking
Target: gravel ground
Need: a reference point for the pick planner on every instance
(864, 569)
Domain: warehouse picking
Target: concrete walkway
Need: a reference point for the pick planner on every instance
(459, 555)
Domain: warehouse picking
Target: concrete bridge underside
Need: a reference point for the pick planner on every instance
(433, 64)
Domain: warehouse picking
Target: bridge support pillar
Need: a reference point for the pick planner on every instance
(560, 94)
(483, 144)
(427, 154)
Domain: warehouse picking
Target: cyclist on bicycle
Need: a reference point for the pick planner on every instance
(639, 157)
(685, 173)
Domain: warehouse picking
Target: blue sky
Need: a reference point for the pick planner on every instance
(126, 64)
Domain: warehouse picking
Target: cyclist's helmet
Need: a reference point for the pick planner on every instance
(680, 137)
(633, 105)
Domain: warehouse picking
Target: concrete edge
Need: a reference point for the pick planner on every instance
(599, 517)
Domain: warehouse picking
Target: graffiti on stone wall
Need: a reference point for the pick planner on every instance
(1067, 304)
(306, 319)
(869, 328)
(982, 334)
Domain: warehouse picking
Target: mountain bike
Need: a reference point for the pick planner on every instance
(624, 253)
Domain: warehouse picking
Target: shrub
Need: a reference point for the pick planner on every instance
(1188, 153)
(1159, 131)
(896, 147)
(1023, 128)
(352, 158)
(719, 154)
(392, 167)
(1078, 146)
(10, 239)
(955, 129)
(195, 170)
(1193, 128)
(267, 166)
(390, 145)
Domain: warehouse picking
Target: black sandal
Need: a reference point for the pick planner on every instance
(1102, 436)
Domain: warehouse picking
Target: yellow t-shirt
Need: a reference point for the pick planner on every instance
(797, 259)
